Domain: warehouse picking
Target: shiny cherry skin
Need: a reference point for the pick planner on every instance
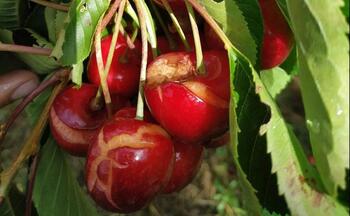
(190, 107)
(123, 76)
(278, 37)
(72, 121)
(129, 163)
(130, 112)
(188, 159)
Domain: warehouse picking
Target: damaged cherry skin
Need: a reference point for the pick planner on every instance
(72, 121)
(278, 37)
(129, 163)
(188, 159)
(73, 124)
(191, 108)
(123, 76)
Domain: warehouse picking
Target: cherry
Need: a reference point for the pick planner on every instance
(188, 158)
(73, 122)
(218, 141)
(130, 112)
(212, 39)
(176, 5)
(123, 76)
(129, 163)
(278, 38)
(191, 108)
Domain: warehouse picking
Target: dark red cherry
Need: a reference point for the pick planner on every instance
(176, 5)
(73, 122)
(130, 112)
(123, 76)
(212, 39)
(129, 163)
(188, 158)
(278, 37)
(191, 108)
(218, 141)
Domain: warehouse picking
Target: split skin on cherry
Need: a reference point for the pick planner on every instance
(73, 121)
(129, 163)
(192, 108)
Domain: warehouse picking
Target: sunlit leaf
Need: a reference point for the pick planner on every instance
(232, 19)
(75, 40)
(323, 53)
(297, 180)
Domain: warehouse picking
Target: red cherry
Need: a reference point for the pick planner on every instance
(218, 141)
(278, 38)
(130, 112)
(129, 163)
(123, 76)
(188, 158)
(176, 5)
(191, 108)
(212, 39)
(72, 121)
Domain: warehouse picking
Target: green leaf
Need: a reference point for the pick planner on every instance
(56, 191)
(12, 13)
(229, 15)
(54, 23)
(6, 208)
(275, 80)
(251, 202)
(296, 178)
(75, 40)
(77, 73)
(39, 64)
(346, 8)
(323, 53)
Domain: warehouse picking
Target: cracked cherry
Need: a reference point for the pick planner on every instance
(278, 37)
(129, 163)
(188, 159)
(190, 107)
(72, 121)
(123, 76)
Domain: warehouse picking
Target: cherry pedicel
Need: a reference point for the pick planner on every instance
(129, 163)
(278, 38)
(191, 108)
(188, 158)
(124, 73)
(72, 121)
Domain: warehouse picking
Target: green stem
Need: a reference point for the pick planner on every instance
(197, 41)
(199, 8)
(100, 66)
(176, 24)
(170, 39)
(140, 103)
(117, 20)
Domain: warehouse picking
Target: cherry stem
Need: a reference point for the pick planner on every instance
(57, 76)
(141, 13)
(197, 41)
(100, 66)
(107, 18)
(170, 39)
(32, 174)
(199, 8)
(96, 103)
(51, 5)
(134, 34)
(25, 49)
(129, 41)
(113, 44)
(176, 24)
(31, 145)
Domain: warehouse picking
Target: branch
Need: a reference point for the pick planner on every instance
(25, 49)
(51, 5)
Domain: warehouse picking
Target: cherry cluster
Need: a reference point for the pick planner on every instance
(130, 161)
